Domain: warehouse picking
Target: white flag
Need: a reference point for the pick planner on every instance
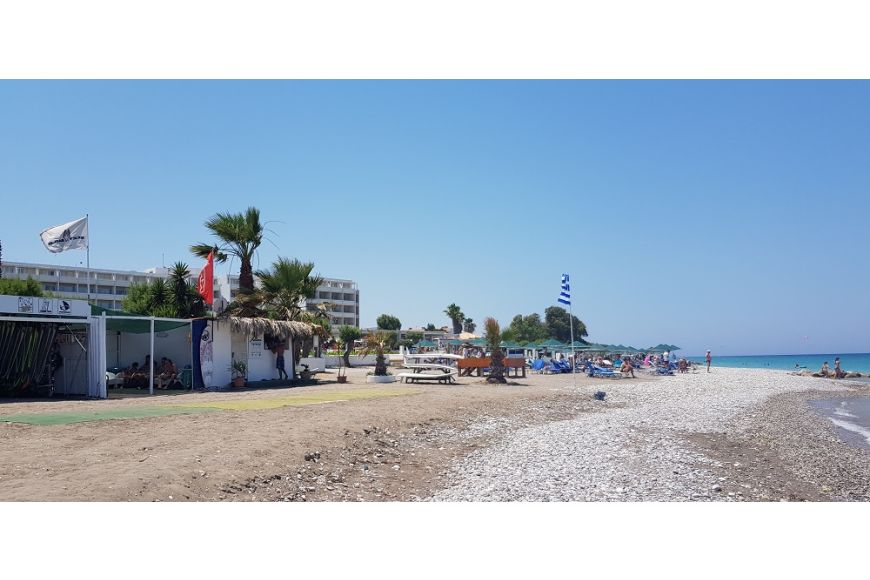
(70, 236)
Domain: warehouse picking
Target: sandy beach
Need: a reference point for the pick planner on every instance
(731, 435)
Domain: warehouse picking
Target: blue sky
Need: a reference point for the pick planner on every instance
(723, 215)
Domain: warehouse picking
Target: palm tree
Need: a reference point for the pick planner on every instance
(468, 325)
(493, 341)
(240, 235)
(283, 290)
(454, 313)
(377, 343)
(286, 285)
(317, 316)
(184, 297)
(347, 335)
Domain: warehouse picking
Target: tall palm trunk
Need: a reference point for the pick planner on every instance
(246, 277)
(457, 325)
(496, 374)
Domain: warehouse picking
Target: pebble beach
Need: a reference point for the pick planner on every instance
(730, 435)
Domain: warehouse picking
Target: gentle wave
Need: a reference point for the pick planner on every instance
(844, 413)
(865, 433)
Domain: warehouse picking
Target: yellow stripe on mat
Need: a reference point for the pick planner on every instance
(299, 400)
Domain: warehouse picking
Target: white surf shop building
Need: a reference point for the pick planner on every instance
(92, 344)
(45, 347)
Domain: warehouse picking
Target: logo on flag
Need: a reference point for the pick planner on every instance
(565, 294)
(205, 282)
(69, 236)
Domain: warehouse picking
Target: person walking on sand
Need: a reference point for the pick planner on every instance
(709, 359)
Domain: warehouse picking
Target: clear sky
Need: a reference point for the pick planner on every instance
(725, 215)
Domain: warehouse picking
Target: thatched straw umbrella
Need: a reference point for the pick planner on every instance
(282, 329)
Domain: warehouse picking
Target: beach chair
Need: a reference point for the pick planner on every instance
(606, 373)
(538, 366)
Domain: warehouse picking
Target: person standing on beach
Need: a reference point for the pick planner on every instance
(838, 372)
(279, 349)
(709, 359)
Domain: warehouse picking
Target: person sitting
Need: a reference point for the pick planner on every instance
(825, 371)
(683, 365)
(129, 373)
(168, 375)
(627, 367)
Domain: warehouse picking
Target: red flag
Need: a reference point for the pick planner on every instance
(205, 283)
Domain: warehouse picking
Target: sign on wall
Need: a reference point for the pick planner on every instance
(43, 306)
(255, 348)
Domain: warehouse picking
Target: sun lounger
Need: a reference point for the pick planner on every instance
(602, 372)
(539, 365)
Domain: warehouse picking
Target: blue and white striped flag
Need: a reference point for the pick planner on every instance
(565, 294)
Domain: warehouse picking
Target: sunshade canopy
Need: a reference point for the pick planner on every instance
(426, 344)
(135, 326)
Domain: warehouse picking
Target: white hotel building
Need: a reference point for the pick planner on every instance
(109, 287)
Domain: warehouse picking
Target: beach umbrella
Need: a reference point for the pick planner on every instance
(510, 344)
(552, 343)
(577, 345)
(425, 344)
(478, 342)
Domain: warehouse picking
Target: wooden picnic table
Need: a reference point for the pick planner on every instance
(467, 366)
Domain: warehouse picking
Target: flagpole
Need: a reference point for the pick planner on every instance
(87, 221)
(573, 351)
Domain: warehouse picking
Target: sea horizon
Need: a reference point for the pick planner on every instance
(849, 361)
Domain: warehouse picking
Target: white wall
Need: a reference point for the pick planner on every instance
(332, 361)
(72, 377)
(222, 355)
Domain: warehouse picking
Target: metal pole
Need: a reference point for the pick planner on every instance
(573, 352)
(151, 358)
(87, 219)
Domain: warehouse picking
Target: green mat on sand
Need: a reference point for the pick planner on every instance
(132, 413)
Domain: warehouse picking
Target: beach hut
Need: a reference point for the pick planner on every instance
(33, 330)
(228, 339)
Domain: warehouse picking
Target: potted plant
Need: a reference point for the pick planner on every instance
(377, 343)
(240, 373)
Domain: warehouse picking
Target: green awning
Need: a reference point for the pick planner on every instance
(426, 344)
(134, 326)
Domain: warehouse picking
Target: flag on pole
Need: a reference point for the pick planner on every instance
(565, 294)
(205, 283)
(69, 236)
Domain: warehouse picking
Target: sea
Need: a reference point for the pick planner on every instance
(851, 416)
(859, 362)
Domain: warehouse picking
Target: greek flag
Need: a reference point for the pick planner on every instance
(565, 294)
